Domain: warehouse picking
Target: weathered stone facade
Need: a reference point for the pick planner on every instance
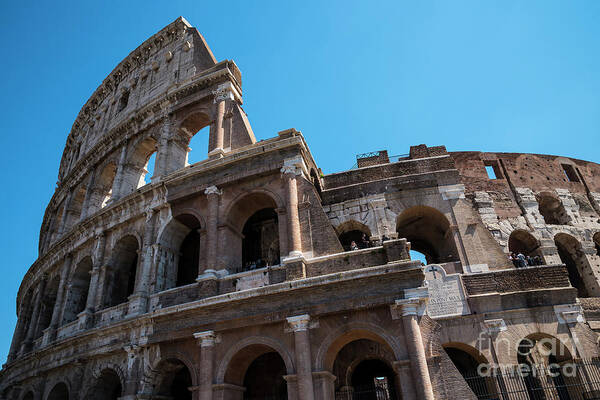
(250, 275)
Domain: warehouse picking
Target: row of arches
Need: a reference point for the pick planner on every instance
(426, 228)
(570, 252)
(124, 173)
(537, 375)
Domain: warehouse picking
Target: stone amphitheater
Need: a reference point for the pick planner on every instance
(252, 275)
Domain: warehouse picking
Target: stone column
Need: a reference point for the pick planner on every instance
(206, 341)
(58, 310)
(85, 211)
(34, 316)
(223, 93)
(118, 182)
(295, 240)
(412, 332)
(63, 218)
(17, 337)
(493, 327)
(139, 301)
(212, 220)
(86, 317)
(299, 325)
(283, 229)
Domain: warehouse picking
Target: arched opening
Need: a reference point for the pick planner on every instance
(523, 242)
(47, 306)
(75, 207)
(195, 129)
(353, 235)
(136, 170)
(252, 236)
(78, 290)
(552, 209)
(174, 380)
(59, 392)
(597, 243)
(363, 371)
(180, 253)
(102, 191)
(468, 361)
(123, 271)
(428, 232)
(107, 387)
(260, 370)
(260, 243)
(539, 357)
(571, 254)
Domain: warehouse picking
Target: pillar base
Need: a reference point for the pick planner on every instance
(216, 153)
(138, 304)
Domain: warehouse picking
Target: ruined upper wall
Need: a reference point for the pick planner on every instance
(167, 59)
(537, 172)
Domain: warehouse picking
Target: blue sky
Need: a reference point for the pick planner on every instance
(352, 76)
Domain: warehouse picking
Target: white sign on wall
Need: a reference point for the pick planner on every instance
(446, 293)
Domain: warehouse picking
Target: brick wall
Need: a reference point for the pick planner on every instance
(516, 280)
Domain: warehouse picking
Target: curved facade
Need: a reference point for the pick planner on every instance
(251, 275)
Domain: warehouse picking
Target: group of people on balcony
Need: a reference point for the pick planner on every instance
(363, 243)
(521, 261)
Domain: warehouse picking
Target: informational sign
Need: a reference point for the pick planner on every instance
(446, 294)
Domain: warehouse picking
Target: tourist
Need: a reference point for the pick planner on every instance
(353, 246)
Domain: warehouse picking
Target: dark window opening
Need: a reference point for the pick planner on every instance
(123, 101)
(260, 243)
(354, 240)
(570, 173)
(373, 380)
(264, 378)
(468, 366)
(187, 270)
(124, 271)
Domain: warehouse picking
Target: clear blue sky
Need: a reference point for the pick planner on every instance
(352, 76)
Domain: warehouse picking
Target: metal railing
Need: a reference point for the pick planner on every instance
(569, 380)
(367, 393)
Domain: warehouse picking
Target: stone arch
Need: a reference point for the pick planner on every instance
(552, 209)
(467, 361)
(102, 191)
(171, 375)
(253, 230)
(75, 207)
(180, 251)
(597, 243)
(136, 168)
(348, 333)
(108, 385)
(192, 125)
(59, 391)
(78, 287)
(578, 267)
(47, 303)
(353, 231)
(257, 345)
(375, 355)
(429, 232)
(521, 241)
(123, 270)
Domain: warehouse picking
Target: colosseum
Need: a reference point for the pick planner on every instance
(252, 275)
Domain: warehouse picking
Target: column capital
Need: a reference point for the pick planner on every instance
(206, 339)
(225, 91)
(299, 323)
(290, 171)
(406, 307)
(212, 190)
